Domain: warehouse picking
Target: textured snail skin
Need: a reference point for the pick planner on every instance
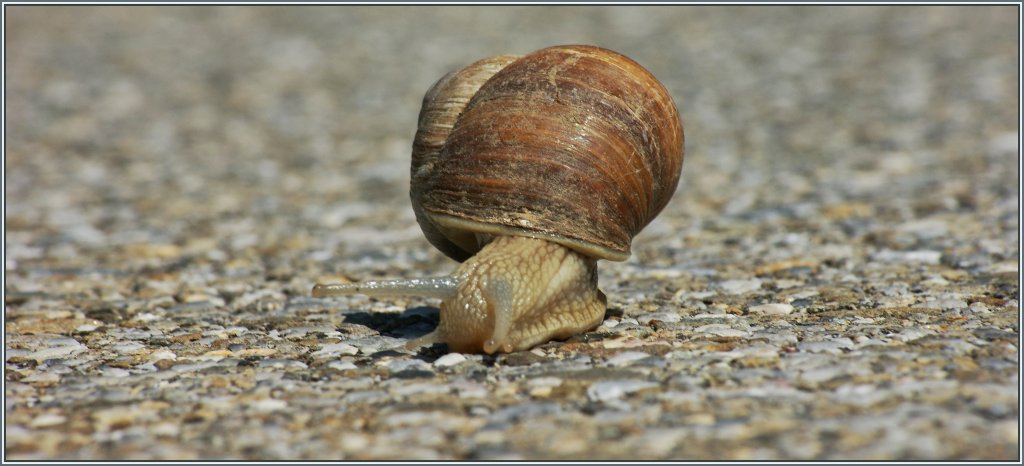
(531, 169)
(517, 293)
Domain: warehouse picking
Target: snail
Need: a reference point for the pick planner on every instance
(528, 170)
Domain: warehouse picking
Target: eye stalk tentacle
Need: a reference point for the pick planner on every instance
(431, 287)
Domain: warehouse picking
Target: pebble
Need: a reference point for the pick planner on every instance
(48, 420)
(669, 317)
(944, 304)
(614, 389)
(912, 334)
(626, 357)
(525, 410)
(129, 348)
(449, 360)
(334, 349)
(772, 309)
(820, 375)
(920, 256)
(399, 365)
(610, 323)
(928, 228)
(835, 346)
(279, 363)
(714, 316)
(543, 387)
(341, 365)
(42, 378)
(696, 295)
(757, 350)
(115, 372)
(86, 328)
(57, 352)
(370, 345)
(268, 405)
(299, 332)
(162, 354)
(656, 443)
(420, 389)
(721, 331)
(739, 286)
(1002, 267)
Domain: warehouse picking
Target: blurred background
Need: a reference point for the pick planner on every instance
(242, 126)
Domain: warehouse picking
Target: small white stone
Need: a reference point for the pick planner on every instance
(399, 365)
(334, 349)
(268, 404)
(773, 309)
(669, 317)
(944, 304)
(658, 442)
(162, 354)
(146, 317)
(85, 328)
(740, 286)
(341, 365)
(115, 372)
(58, 352)
(912, 334)
(48, 420)
(626, 357)
(979, 308)
(1002, 267)
(784, 284)
(925, 228)
(804, 294)
(165, 429)
(696, 295)
(129, 348)
(466, 390)
(821, 374)
(615, 389)
(834, 346)
(721, 330)
(42, 377)
(936, 281)
(919, 256)
(544, 382)
(714, 316)
(449, 360)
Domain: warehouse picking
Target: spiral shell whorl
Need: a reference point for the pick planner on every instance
(442, 105)
(575, 144)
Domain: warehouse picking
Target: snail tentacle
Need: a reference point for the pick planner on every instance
(431, 287)
(499, 296)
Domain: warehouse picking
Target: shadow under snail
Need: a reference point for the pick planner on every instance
(528, 170)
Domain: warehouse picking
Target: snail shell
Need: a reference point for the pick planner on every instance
(575, 144)
(528, 170)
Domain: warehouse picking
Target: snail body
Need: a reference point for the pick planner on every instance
(529, 170)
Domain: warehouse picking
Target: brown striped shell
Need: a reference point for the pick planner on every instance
(574, 144)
